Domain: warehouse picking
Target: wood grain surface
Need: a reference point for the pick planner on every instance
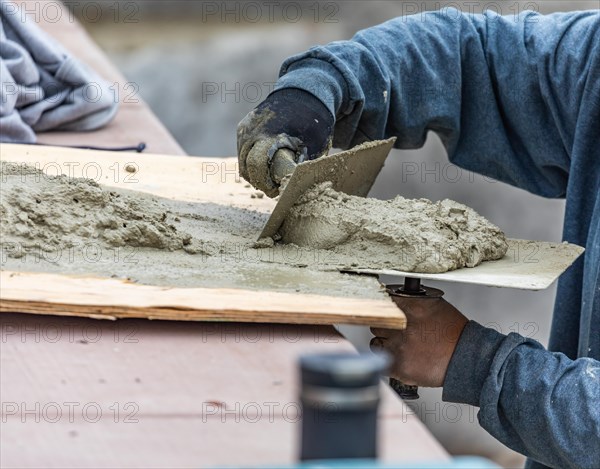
(133, 393)
(197, 179)
(104, 298)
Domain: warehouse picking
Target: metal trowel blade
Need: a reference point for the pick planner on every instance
(353, 172)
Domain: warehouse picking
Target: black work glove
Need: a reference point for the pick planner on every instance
(289, 118)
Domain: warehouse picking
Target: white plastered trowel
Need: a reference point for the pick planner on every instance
(528, 265)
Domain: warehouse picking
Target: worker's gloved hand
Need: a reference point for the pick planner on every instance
(289, 118)
(423, 350)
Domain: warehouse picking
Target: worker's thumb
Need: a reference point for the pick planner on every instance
(257, 167)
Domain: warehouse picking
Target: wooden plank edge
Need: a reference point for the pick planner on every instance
(120, 298)
(203, 315)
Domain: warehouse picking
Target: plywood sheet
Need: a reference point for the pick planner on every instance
(211, 180)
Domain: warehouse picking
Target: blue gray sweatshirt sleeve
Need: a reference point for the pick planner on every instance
(516, 99)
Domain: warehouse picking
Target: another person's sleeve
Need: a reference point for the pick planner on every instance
(503, 93)
(539, 403)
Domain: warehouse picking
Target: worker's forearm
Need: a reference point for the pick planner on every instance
(483, 83)
(539, 403)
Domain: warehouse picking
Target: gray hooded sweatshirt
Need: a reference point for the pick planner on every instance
(42, 86)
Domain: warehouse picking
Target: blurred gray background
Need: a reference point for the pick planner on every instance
(202, 66)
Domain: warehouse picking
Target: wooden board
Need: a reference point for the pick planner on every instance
(104, 298)
(193, 179)
(528, 265)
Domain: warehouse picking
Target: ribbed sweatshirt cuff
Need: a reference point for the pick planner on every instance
(470, 364)
(299, 97)
(317, 77)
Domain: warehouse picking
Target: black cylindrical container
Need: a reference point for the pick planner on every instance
(340, 398)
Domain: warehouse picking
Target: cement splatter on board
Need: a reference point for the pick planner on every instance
(77, 227)
(49, 213)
